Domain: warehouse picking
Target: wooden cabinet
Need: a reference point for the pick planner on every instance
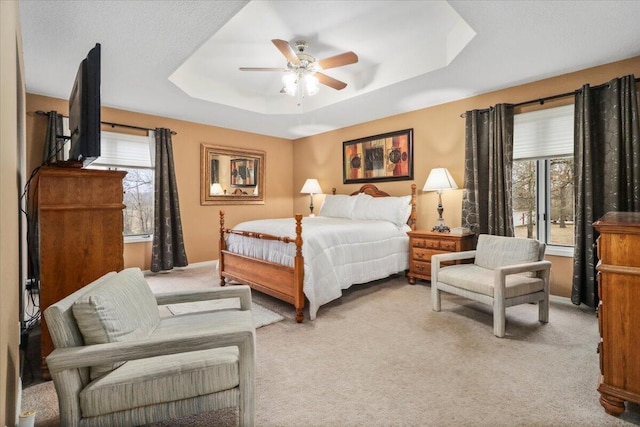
(424, 244)
(618, 312)
(80, 223)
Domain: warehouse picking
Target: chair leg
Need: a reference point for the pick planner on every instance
(435, 297)
(499, 318)
(543, 310)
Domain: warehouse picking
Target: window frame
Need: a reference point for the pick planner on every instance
(543, 195)
(97, 164)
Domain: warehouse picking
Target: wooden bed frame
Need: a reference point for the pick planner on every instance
(280, 281)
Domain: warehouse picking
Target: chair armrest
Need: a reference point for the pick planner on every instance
(453, 256)
(524, 268)
(240, 291)
(240, 333)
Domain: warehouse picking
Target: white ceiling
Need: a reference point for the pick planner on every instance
(400, 67)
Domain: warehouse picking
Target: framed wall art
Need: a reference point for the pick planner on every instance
(385, 157)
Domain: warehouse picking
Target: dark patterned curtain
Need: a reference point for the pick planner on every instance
(53, 145)
(168, 249)
(486, 203)
(607, 170)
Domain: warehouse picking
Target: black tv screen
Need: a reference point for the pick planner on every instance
(84, 110)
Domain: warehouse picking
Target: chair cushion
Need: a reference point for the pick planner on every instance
(480, 280)
(500, 251)
(161, 379)
(122, 308)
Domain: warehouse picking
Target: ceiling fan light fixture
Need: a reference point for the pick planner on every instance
(311, 84)
(290, 82)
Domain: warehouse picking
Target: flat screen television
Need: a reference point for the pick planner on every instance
(84, 110)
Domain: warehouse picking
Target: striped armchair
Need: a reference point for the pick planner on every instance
(117, 363)
(506, 271)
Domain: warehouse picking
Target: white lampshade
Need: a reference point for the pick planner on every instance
(311, 186)
(439, 179)
(216, 188)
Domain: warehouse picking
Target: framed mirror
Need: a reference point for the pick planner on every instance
(231, 176)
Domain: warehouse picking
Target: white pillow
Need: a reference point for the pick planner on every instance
(393, 209)
(337, 206)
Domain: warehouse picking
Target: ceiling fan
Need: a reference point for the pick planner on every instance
(302, 67)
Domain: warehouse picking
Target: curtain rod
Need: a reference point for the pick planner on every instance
(44, 113)
(541, 101)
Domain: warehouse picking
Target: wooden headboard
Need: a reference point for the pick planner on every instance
(373, 191)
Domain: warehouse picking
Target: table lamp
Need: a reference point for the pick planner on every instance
(311, 187)
(439, 179)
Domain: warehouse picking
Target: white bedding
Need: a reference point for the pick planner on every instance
(337, 252)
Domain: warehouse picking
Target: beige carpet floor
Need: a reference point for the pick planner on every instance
(380, 357)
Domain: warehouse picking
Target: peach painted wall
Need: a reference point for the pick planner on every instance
(439, 142)
(200, 223)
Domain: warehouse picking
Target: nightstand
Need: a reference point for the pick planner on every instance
(424, 244)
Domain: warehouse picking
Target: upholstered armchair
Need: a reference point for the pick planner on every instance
(505, 271)
(117, 363)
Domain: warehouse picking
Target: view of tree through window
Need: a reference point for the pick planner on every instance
(138, 199)
(543, 200)
(562, 201)
(525, 214)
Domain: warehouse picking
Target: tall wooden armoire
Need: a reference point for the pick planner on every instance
(80, 224)
(619, 311)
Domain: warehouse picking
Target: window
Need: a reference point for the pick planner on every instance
(543, 202)
(132, 154)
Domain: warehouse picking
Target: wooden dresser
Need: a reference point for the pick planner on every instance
(619, 309)
(423, 244)
(79, 216)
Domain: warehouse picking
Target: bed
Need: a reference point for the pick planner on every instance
(355, 239)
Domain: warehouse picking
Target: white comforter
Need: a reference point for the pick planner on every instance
(337, 252)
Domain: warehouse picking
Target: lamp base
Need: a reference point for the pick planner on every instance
(440, 227)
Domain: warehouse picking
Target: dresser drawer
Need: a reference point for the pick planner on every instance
(447, 245)
(425, 254)
(421, 268)
(426, 243)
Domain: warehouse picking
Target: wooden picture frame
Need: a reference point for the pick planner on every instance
(384, 157)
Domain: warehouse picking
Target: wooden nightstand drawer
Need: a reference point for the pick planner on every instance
(448, 245)
(426, 243)
(421, 268)
(424, 254)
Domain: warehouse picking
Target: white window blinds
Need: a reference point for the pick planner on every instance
(118, 149)
(543, 133)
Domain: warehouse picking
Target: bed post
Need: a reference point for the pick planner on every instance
(222, 247)
(413, 216)
(298, 272)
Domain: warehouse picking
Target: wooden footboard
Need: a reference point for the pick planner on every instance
(280, 281)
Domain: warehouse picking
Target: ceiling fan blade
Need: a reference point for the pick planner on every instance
(262, 69)
(285, 48)
(330, 81)
(338, 60)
